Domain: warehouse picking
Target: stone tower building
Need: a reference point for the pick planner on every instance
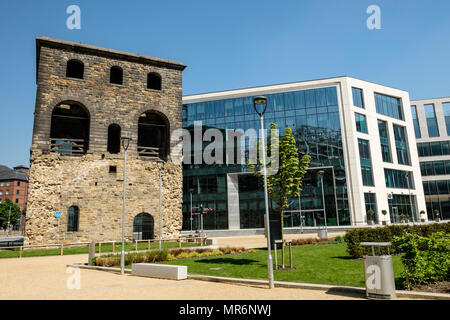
(87, 98)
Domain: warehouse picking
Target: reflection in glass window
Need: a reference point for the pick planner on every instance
(446, 108)
(384, 141)
(401, 144)
(229, 109)
(430, 115)
(415, 121)
(332, 96)
(370, 200)
(398, 179)
(200, 110)
(358, 99)
(239, 106)
(321, 99)
(389, 106)
(361, 124)
(434, 168)
(366, 162)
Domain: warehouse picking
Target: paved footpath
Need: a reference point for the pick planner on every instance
(46, 277)
(260, 241)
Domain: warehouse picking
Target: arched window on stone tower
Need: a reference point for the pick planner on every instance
(114, 138)
(69, 132)
(143, 227)
(153, 81)
(75, 69)
(73, 216)
(153, 135)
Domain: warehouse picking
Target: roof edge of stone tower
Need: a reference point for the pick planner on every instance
(90, 49)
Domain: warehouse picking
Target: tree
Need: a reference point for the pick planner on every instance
(7, 215)
(287, 181)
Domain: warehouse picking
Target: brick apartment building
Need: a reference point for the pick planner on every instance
(14, 186)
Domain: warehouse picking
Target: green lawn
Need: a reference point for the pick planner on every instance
(80, 250)
(319, 263)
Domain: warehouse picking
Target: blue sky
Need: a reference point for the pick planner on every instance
(230, 44)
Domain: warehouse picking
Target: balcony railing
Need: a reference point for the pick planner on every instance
(148, 152)
(70, 147)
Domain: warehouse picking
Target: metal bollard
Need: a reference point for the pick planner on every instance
(148, 245)
(20, 253)
(179, 243)
(62, 249)
(282, 253)
(99, 247)
(113, 246)
(136, 246)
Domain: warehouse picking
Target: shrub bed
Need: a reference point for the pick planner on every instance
(153, 256)
(426, 259)
(354, 237)
(301, 242)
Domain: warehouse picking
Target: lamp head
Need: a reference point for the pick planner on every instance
(125, 142)
(321, 173)
(260, 105)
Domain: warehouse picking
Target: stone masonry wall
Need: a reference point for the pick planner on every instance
(58, 182)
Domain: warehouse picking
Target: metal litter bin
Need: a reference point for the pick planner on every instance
(379, 272)
(322, 233)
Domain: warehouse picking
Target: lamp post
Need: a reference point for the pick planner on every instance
(261, 104)
(320, 174)
(410, 199)
(125, 144)
(160, 161)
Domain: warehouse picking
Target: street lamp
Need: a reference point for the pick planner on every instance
(260, 105)
(320, 174)
(125, 144)
(160, 161)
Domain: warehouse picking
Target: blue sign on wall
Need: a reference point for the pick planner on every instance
(58, 214)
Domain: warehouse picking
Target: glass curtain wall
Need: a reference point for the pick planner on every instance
(313, 116)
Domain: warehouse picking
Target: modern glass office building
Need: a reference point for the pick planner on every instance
(357, 132)
(432, 129)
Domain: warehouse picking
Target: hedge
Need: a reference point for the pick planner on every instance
(426, 259)
(354, 237)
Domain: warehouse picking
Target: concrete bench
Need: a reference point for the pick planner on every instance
(161, 271)
(211, 242)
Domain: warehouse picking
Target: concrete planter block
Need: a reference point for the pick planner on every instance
(211, 242)
(161, 271)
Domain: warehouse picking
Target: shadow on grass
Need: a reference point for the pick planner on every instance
(345, 258)
(229, 261)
